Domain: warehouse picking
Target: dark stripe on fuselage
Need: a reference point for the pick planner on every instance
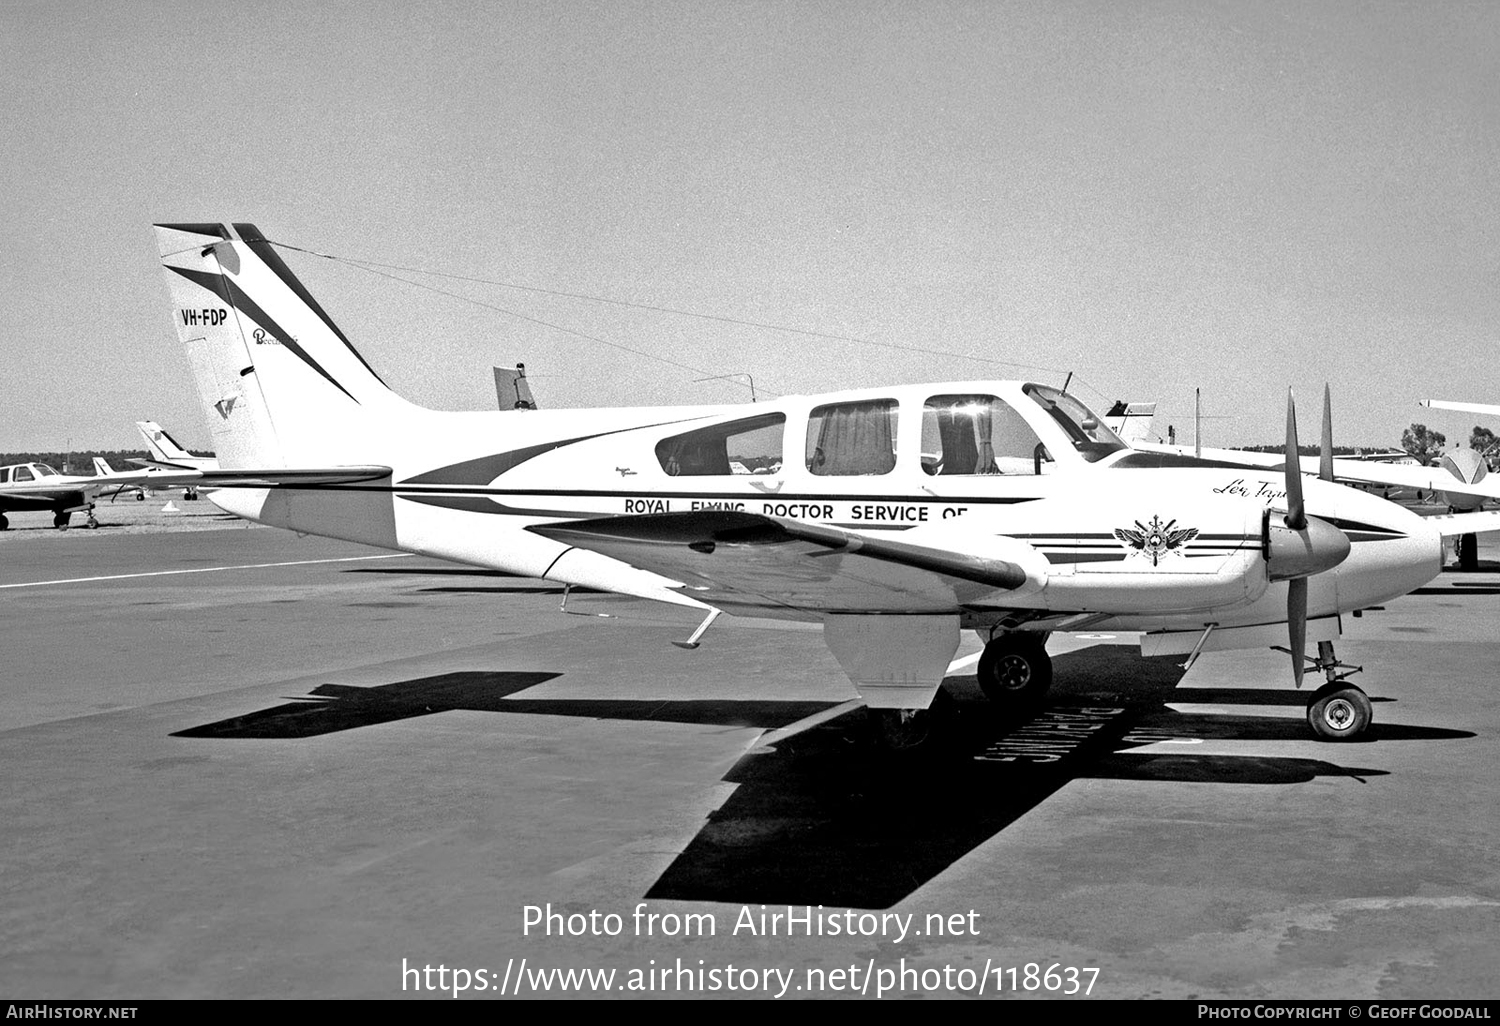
(1163, 460)
(479, 504)
(484, 469)
(1369, 532)
(797, 497)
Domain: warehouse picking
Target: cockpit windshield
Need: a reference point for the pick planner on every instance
(42, 470)
(1089, 435)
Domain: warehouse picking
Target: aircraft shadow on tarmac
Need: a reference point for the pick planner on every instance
(475, 589)
(334, 707)
(817, 822)
(824, 817)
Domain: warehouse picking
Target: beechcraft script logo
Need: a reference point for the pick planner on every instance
(1155, 539)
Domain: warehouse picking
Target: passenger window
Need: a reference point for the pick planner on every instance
(852, 439)
(751, 446)
(4, 475)
(976, 434)
(23, 474)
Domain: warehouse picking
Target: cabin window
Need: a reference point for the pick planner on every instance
(852, 439)
(24, 474)
(4, 474)
(1090, 436)
(750, 446)
(976, 434)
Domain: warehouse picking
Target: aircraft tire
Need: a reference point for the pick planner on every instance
(140, 496)
(1468, 551)
(4, 524)
(60, 520)
(1339, 712)
(1015, 670)
(909, 731)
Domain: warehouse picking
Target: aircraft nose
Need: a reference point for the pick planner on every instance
(1291, 554)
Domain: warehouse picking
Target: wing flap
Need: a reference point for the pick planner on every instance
(744, 560)
(1453, 524)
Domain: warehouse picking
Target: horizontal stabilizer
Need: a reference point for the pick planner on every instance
(268, 477)
(807, 567)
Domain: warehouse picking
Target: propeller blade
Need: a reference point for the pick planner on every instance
(1325, 461)
(1296, 514)
(1296, 625)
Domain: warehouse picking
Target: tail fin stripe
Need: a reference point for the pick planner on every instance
(232, 294)
(261, 247)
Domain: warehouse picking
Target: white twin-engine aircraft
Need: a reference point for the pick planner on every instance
(895, 516)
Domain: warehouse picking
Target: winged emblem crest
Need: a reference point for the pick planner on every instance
(1155, 539)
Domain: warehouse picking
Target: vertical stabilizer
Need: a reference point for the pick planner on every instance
(1131, 421)
(513, 390)
(166, 449)
(280, 383)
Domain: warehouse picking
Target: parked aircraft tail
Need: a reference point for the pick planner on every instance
(166, 449)
(282, 385)
(1131, 421)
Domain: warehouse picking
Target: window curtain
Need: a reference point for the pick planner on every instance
(984, 428)
(855, 439)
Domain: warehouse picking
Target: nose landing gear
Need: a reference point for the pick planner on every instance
(1338, 711)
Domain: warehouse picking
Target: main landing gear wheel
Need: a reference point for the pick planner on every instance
(4, 524)
(1015, 670)
(60, 520)
(1339, 712)
(93, 521)
(906, 731)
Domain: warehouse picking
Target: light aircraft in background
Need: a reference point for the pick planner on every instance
(1459, 480)
(1468, 465)
(513, 390)
(167, 454)
(1472, 468)
(103, 469)
(1131, 421)
(38, 487)
(896, 517)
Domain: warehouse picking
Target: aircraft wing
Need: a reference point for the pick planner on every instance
(1451, 524)
(730, 559)
(1394, 475)
(262, 477)
(86, 485)
(1483, 408)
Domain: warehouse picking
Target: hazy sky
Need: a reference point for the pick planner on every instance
(1235, 196)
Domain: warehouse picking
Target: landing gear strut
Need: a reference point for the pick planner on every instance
(1015, 670)
(1338, 711)
(63, 517)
